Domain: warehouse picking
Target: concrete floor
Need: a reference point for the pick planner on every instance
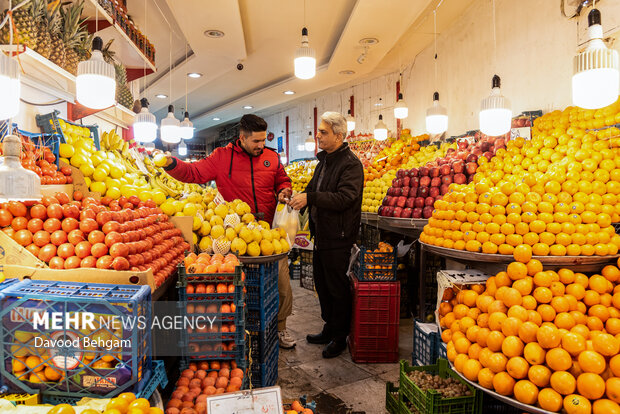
(338, 386)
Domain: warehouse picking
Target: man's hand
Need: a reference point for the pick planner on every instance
(299, 201)
(162, 160)
(285, 195)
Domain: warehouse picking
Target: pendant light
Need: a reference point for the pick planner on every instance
(305, 59)
(182, 149)
(170, 128)
(10, 87)
(95, 85)
(310, 143)
(187, 127)
(400, 109)
(495, 113)
(350, 122)
(145, 124)
(436, 115)
(16, 182)
(596, 80)
(380, 131)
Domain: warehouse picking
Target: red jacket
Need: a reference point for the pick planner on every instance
(255, 180)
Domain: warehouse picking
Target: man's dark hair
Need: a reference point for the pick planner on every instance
(251, 123)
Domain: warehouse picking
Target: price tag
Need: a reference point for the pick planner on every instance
(259, 401)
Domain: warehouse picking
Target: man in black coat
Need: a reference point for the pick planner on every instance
(334, 197)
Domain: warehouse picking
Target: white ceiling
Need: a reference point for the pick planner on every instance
(263, 36)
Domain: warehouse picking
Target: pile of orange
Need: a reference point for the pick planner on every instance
(558, 193)
(126, 403)
(392, 157)
(546, 338)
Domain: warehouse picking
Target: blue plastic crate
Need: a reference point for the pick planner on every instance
(425, 346)
(261, 284)
(49, 124)
(156, 378)
(443, 350)
(258, 319)
(7, 282)
(266, 373)
(184, 277)
(263, 341)
(92, 372)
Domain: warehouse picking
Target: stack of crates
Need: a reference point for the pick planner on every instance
(426, 340)
(376, 308)
(59, 372)
(262, 322)
(214, 297)
(306, 279)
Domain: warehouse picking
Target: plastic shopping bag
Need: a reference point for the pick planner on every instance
(287, 219)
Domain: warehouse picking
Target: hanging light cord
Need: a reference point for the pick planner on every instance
(435, 36)
(186, 109)
(170, 71)
(494, 37)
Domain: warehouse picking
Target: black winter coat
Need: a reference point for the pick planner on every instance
(338, 200)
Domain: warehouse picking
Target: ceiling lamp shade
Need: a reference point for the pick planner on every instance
(596, 79)
(310, 144)
(187, 127)
(170, 128)
(436, 117)
(95, 84)
(145, 124)
(16, 182)
(400, 109)
(10, 87)
(495, 112)
(305, 60)
(380, 131)
(182, 149)
(350, 122)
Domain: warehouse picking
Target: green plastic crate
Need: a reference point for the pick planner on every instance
(392, 403)
(431, 402)
(405, 406)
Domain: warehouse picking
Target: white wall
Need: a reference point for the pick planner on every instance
(535, 50)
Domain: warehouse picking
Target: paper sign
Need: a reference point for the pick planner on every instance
(259, 401)
(303, 241)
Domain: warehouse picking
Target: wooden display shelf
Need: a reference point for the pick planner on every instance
(44, 75)
(127, 51)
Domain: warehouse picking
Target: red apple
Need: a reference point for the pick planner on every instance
(401, 201)
(407, 213)
(413, 192)
(471, 168)
(446, 179)
(425, 181)
(417, 213)
(434, 172)
(413, 172)
(419, 202)
(423, 171)
(445, 169)
(445, 188)
(410, 202)
(397, 212)
(460, 178)
(427, 212)
(436, 182)
(429, 201)
(414, 182)
(423, 191)
(406, 181)
(458, 166)
(434, 192)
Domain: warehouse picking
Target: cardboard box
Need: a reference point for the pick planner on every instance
(12, 253)
(50, 190)
(89, 275)
(185, 224)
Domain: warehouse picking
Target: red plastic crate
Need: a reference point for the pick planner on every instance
(375, 322)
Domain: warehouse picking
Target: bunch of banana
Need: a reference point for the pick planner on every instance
(110, 140)
(157, 182)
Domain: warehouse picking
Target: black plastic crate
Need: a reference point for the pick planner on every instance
(372, 266)
(371, 236)
(266, 374)
(295, 271)
(306, 279)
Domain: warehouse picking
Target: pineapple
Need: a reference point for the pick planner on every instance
(24, 33)
(57, 54)
(43, 39)
(72, 34)
(123, 94)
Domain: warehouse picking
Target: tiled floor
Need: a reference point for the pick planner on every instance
(337, 385)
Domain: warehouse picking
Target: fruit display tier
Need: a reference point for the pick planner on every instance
(262, 259)
(580, 261)
(367, 217)
(510, 401)
(409, 223)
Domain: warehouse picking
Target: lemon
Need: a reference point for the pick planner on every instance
(114, 193)
(242, 208)
(116, 172)
(215, 220)
(194, 238)
(99, 174)
(264, 225)
(246, 235)
(257, 235)
(189, 209)
(66, 150)
(267, 235)
(277, 247)
(159, 197)
(253, 249)
(221, 210)
(285, 245)
(77, 160)
(168, 208)
(178, 206)
(145, 195)
(209, 213)
(160, 160)
(247, 218)
(87, 169)
(98, 187)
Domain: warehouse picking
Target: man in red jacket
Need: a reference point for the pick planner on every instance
(249, 171)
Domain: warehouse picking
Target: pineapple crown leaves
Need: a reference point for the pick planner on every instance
(74, 29)
(53, 18)
(108, 53)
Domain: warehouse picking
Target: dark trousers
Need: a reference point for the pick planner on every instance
(334, 289)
